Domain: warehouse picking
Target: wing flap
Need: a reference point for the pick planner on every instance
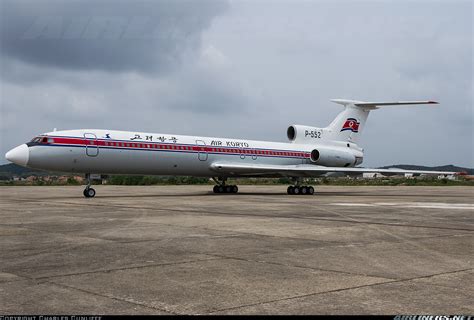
(308, 170)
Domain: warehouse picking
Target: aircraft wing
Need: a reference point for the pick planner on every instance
(306, 170)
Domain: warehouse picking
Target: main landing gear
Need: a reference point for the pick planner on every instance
(88, 191)
(225, 189)
(221, 187)
(303, 190)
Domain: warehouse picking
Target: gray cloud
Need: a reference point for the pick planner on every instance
(304, 54)
(148, 36)
(127, 101)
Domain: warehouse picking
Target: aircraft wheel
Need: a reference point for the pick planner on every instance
(228, 189)
(296, 190)
(220, 189)
(215, 189)
(235, 189)
(310, 190)
(304, 190)
(290, 190)
(89, 193)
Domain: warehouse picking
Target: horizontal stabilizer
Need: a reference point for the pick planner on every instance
(375, 105)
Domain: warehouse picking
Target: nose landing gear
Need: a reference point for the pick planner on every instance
(88, 191)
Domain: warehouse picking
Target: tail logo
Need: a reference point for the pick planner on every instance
(351, 124)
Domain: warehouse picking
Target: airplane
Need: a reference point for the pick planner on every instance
(310, 152)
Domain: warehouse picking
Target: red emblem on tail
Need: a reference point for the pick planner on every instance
(351, 124)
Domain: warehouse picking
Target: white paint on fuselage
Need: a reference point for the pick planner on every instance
(120, 160)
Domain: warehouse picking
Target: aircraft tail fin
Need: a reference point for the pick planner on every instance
(348, 125)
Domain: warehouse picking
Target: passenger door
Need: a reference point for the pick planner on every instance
(202, 152)
(92, 147)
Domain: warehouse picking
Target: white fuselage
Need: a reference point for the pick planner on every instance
(312, 152)
(122, 152)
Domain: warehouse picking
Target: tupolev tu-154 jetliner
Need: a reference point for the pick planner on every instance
(310, 152)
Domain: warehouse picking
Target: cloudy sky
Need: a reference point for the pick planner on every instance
(244, 69)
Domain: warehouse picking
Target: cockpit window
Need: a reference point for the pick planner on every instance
(42, 139)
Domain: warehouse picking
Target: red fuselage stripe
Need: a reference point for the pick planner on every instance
(174, 147)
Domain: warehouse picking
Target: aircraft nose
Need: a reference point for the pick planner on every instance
(19, 155)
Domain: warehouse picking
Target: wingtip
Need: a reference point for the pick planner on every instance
(433, 102)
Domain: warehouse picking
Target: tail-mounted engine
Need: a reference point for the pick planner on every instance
(304, 134)
(326, 152)
(334, 157)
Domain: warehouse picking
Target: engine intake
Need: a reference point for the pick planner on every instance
(291, 133)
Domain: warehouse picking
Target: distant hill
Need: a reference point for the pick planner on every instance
(448, 167)
(9, 170)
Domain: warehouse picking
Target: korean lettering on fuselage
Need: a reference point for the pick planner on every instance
(154, 138)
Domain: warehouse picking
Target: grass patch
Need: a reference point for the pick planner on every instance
(174, 180)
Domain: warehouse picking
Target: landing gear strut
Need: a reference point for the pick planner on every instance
(221, 187)
(88, 191)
